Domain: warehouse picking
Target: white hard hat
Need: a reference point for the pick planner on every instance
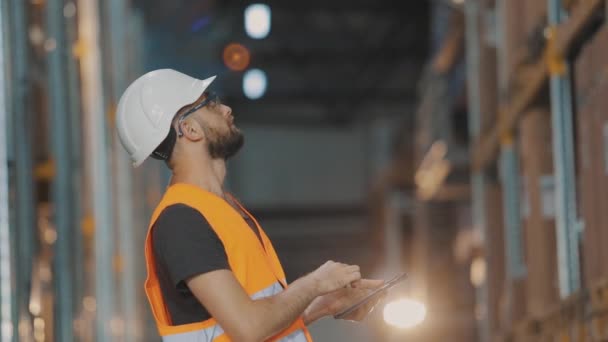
(147, 107)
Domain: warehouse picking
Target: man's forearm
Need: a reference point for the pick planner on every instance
(244, 319)
(276, 313)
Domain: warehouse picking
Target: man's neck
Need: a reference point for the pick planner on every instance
(208, 175)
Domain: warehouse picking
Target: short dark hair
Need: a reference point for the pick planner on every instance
(165, 149)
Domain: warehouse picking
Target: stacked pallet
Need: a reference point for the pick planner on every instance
(539, 211)
(591, 87)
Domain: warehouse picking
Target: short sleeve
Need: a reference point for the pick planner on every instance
(186, 245)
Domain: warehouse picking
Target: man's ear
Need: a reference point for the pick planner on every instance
(192, 130)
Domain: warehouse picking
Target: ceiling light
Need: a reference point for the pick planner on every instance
(254, 84)
(257, 21)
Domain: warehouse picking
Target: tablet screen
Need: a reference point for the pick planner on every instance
(389, 284)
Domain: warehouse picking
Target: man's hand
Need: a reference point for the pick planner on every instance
(334, 302)
(332, 276)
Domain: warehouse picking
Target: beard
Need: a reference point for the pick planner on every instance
(227, 145)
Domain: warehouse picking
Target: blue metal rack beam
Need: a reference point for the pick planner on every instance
(24, 224)
(61, 187)
(6, 268)
(568, 234)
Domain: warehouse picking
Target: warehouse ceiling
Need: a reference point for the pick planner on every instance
(327, 62)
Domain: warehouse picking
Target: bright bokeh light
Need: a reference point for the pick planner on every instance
(236, 57)
(257, 21)
(404, 313)
(254, 84)
(69, 10)
(478, 271)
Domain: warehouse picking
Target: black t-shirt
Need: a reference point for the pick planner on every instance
(184, 246)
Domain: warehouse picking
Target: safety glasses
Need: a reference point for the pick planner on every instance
(211, 99)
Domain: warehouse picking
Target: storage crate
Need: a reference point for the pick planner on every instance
(534, 16)
(539, 218)
(588, 202)
(583, 74)
(598, 46)
(495, 255)
(600, 165)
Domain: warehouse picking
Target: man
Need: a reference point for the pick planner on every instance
(213, 274)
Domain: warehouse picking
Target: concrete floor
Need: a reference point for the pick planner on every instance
(329, 329)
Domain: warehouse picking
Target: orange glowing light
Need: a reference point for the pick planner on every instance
(236, 57)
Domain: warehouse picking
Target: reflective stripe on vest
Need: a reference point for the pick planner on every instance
(255, 265)
(214, 332)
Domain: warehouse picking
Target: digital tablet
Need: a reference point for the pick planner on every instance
(396, 280)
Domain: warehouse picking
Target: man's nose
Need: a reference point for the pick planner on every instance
(227, 110)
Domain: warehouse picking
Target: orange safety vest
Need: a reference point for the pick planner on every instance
(256, 267)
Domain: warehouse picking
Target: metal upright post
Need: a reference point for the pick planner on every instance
(509, 176)
(393, 239)
(7, 320)
(509, 172)
(477, 178)
(563, 160)
(97, 157)
(76, 163)
(123, 173)
(62, 186)
(25, 221)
